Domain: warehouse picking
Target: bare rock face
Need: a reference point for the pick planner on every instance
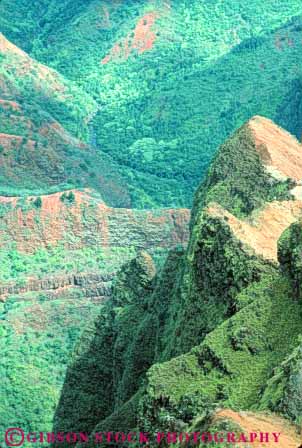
(262, 230)
(92, 285)
(76, 219)
(279, 151)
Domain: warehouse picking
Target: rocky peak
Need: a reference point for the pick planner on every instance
(259, 163)
(269, 168)
(262, 229)
(279, 151)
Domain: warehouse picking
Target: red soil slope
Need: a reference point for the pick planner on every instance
(88, 221)
(279, 151)
(256, 423)
(140, 40)
(281, 155)
(261, 230)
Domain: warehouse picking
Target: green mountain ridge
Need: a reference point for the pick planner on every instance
(214, 326)
(112, 113)
(42, 124)
(164, 83)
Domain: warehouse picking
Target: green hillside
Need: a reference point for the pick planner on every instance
(43, 127)
(164, 82)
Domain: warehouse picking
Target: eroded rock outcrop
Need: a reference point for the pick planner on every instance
(76, 219)
(93, 285)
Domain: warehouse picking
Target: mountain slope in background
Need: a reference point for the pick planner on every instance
(32, 82)
(43, 117)
(163, 82)
(214, 328)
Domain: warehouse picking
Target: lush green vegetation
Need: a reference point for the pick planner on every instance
(38, 330)
(16, 265)
(232, 364)
(160, 114)
(210, 330)
(37, 336)
(63, 281)
(39, 156)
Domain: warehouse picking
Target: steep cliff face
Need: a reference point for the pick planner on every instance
(59, 255)
(90, 285)
(282, 393)
(219, 318)
(80, 218)
(289, 252)
(107, 347)
(234, 239)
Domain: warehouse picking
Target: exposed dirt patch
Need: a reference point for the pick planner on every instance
(10, 105)
(252, 422)
(10, 141)
(263, 228)
(23, 66)
(140, 40)
(280, 152)
(8, 47)
(8, 138)
(144, 37)
(8, 200)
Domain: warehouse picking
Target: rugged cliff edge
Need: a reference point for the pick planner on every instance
(78, 218)
(213, 328)
(59, 254)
